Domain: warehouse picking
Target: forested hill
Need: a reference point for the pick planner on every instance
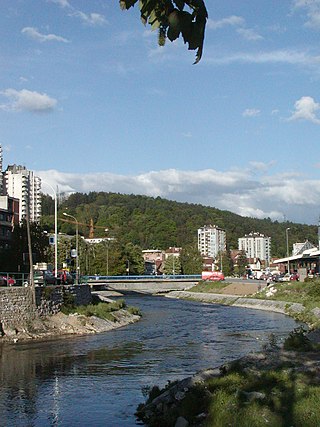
(156, 223)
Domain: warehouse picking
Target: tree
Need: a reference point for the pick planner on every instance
(242, 263)
(134, 259)
(191, 260)
(172, 21)
(172, 265)
(226, 263)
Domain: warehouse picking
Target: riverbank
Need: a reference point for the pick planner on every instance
(274, 387)
(61, 325)
(300, 300)
(278, 386)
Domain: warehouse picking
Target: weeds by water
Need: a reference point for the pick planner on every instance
(102, 310)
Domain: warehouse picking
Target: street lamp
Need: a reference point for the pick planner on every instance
(287, 238)
(106, 231)
(55, 229)
(77, 246)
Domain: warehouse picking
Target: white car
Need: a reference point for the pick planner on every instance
(285, 278)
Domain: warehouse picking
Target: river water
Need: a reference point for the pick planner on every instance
(97, 380)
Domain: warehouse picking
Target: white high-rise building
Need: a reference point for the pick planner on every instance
(256, 245)
(211, 240)
(25, 186)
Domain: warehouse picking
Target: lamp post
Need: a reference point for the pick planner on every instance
(287, 238)
(106, 231)
(55, 229)
(77, 246)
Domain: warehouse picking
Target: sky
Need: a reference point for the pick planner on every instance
(90, 102)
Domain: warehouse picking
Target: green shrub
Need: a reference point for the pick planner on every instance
(298, 340)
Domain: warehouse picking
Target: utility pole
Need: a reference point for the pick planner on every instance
(33, 289)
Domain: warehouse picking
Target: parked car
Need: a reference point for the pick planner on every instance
(65, 278)
(44, 277)
(7, 281)
(294, 276)
(214, 276)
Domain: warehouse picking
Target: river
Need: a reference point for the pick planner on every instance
(97, 380)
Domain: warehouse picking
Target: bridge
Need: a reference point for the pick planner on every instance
(143, 284)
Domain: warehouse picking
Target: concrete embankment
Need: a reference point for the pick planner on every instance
(236, 301)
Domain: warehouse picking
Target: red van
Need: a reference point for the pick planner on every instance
(212, 275)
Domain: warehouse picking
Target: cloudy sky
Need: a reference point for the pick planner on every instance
(91, 103)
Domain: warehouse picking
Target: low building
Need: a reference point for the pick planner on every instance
(153, 259)
(9, 217)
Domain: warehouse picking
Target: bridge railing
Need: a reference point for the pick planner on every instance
(152, 278)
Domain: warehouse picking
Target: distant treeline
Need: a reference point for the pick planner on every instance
(156, 223)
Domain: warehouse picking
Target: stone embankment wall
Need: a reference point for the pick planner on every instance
(16, 307)
(50, 299)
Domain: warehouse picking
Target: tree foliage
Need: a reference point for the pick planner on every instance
(191, 260)
(171, 20)
(156, 223)
(172, 265)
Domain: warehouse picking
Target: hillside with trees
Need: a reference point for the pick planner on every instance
(156, 223)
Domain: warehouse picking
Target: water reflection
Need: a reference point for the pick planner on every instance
(98, 379)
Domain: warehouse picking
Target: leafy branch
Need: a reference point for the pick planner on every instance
(171, 20)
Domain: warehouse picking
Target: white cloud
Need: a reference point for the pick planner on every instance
(225, 22)
(262, 166)
(34, 34)
(235, 21)
(249, 34)
(62, 3)
(251, 112)
(306, 109)
(93, 19)
(26, 100)
(187, 135)
(239, 191)
(292, 57)
(312, 8)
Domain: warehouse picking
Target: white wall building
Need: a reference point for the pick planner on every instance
(211, 240)
(256, 245)
(25, 186)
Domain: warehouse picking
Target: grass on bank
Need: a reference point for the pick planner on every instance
(306, 293)
(276, 398)
(103, 310)
(206, 286)
(248, 396)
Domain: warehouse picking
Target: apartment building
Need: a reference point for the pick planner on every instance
(211, 240)
(22, 184)
(256, 245)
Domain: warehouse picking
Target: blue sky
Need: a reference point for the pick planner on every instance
(91, 103)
